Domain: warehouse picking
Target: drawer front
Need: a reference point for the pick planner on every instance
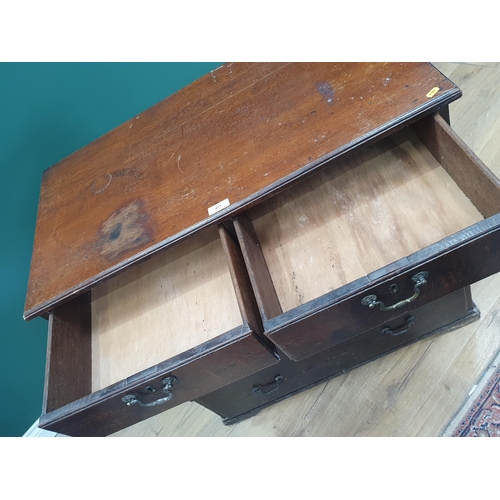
(226, 359)
(240, 399)
(451, 264)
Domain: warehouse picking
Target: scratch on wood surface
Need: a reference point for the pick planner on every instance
(233, 427)
(394, 390)
(99, 185)
(306, 417)
(179, 164)
(494, 314)
(171, 201)
(217, 104)
(157, 433)
(228, 66)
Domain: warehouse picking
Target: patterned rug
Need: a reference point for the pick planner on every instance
(480, 414)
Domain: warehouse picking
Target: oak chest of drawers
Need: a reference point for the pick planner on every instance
(265, 228)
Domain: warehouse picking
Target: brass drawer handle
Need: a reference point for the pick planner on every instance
(267, 389)
(400, 329)
(168, 382)
(419, 279)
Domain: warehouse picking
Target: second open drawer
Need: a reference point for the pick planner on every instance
(388, 229)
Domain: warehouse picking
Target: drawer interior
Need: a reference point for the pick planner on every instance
(189, 309)
(162, 307)
(360, 214)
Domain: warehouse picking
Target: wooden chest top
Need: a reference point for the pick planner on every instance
(230, 139)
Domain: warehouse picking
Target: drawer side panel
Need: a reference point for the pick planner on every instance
(474, 178)
(68, 373)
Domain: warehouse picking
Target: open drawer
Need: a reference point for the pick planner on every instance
(168, 330)
(388, 229)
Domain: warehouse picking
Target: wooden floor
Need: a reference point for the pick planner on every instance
(414, 391)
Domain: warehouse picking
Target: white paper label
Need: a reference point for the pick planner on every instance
(216, 208)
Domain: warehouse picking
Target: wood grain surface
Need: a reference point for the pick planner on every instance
(263, 287)
(473, 177)
(239, 133)
(173, 302)
(375, 207)
(68, 369)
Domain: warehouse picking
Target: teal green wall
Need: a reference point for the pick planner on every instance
(48, 111)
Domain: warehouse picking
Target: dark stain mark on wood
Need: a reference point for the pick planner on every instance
(326, 90)
(134, 172)
(126, 229)
(115, 233)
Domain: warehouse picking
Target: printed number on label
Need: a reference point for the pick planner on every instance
(219, 206)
